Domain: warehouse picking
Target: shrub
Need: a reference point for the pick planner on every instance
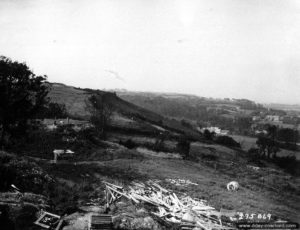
(255, 157)
(128, 144)
(183, 147)
(186, 124)
(26, 217)
(53, 110)
(208, 135)
(289, 164)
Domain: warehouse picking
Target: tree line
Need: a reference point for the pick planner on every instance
(24, 97)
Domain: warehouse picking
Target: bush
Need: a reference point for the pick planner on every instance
(227, 141)
(25, 175)
(183, 147)
(186, 124)
(255, 157)
(53, 110)
(128, 144)
(63, 197)
(208, 135)
(289, 163)
(26, 217)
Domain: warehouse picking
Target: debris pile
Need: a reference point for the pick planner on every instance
(180, 182)
(100, 222)
(187, 212)
(21, 199)
(49, 220)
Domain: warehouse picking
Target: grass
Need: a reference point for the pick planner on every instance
(74, 99)
(273, 195)
(76, 104)
(245, 141)
(250, 142)
(268, 190)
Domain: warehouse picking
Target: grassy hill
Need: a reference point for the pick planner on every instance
(74, 99)
(76, 182)
(234, 115)
(188, 106)
(266, 190)
(77, 105)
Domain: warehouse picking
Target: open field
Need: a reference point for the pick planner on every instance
(268, 190)
(245, 141)
(250, 142)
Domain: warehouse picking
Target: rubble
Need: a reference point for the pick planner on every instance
(47, 220)
(21, 199)
(186, 212)
(180, 182)
(255, 168)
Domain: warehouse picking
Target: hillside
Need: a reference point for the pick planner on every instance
(141, 145)
(194, 108)
(74, 99)
(77, 105)
(79, 189)
(285, 107)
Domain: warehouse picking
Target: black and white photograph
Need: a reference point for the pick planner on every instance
(149, 114)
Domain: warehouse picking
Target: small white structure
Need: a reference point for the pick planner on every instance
(224, 132)
(274, 118)
(51, 127)
(58, 152)
(216, 130)
(233, 186)
(258, 132)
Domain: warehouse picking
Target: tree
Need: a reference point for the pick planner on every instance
(262, 145)
(159, 144)
(288, 135)
(101, 113)
(54, 110)
(22, 95)
(209, 135)
(272, 131)
(183, 147)
(267, 146)
(243, 124)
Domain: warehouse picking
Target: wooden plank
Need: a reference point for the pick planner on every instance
(113, 185)
(123, 194)
(161, 188)
(59, 224)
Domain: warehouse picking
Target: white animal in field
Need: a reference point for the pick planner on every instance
(233, 186)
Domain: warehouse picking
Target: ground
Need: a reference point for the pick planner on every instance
(263, 190)
(266, 190)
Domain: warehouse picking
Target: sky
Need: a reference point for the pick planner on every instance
(213, 48)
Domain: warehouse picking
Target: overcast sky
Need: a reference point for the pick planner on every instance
(214, 48)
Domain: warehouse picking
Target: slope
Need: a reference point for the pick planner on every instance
(77, 105)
